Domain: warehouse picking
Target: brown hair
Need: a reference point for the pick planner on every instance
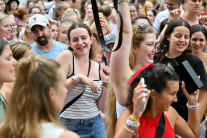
(19, 49)
(20, 13)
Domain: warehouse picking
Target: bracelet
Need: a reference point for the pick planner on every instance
(76, 79)
(168, 21)
(121, 1)
(129, 130)
(133, 123)
(132, 117)
(192, 107)
(105, 84)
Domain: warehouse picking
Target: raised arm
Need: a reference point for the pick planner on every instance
(119, 64)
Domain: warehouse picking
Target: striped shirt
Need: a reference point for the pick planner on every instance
(85, 107)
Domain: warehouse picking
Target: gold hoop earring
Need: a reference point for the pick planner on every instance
(153, 100)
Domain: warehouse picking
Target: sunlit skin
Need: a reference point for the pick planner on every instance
(80, 41)
(54, 31)
(58, 94)
(35, 11)
(7, 66)
(198, 42)
(63, 38)
(63, 8)
(13, 5)
(146, 51)
(133, 12)
(5, 28)
(194, 6)
(151, 16)
(164, 100)
(178, 41)
(172, 4)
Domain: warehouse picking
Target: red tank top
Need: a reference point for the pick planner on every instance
(148, 127)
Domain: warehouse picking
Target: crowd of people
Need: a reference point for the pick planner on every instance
(56, 80)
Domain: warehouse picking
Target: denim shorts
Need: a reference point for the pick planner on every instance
(88, 128)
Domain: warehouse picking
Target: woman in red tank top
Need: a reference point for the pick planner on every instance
(160, 90)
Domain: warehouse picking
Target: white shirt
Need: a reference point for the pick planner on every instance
(159, 18)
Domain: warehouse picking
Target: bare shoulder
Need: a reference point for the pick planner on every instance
(172, 115)
(69, 134)
(64, 54)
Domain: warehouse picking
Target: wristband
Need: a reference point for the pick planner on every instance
(129, 130)
(192, 107)
(76, 79)
(133, 123)
(105, 84)
(168, 21)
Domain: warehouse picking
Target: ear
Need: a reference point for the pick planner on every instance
(52, 94)
(168, 37)
(91, 39)
(50, 26)
(152, 94)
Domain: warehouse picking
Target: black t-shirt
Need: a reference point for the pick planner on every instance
(198, 67)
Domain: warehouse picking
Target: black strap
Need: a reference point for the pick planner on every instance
(98, 26)
(160, 127)
(77, 97)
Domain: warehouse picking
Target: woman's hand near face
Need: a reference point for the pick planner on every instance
(137, 100)
(89, 82)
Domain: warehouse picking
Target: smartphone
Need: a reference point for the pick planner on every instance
(100, 14)
(144, 98)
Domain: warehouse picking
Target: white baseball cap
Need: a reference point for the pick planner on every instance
(38, 19)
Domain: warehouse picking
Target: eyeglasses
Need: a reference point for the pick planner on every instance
(10, 25)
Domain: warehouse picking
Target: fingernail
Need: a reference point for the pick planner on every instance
(145, 89)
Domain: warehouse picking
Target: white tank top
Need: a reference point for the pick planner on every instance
(50, 130)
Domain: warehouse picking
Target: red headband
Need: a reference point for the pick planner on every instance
(139, 71)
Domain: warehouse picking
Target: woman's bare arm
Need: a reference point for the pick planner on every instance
(119, 64)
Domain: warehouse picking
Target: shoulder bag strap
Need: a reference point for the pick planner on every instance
(77, 97)
(160, 127)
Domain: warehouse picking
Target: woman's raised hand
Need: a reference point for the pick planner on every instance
(137, 100)
(89, 82)
(192, 98)
(174, 14)
(203, 19)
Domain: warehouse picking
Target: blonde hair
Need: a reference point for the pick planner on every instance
(111, 116)
(137, 38)
(68, 13)
(30, 98)
(19, 49)
(145, 7)
(5, 16)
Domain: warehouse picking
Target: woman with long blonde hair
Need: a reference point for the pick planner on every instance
(39, 92)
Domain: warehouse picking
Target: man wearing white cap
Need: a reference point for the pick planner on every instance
(44, 45)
